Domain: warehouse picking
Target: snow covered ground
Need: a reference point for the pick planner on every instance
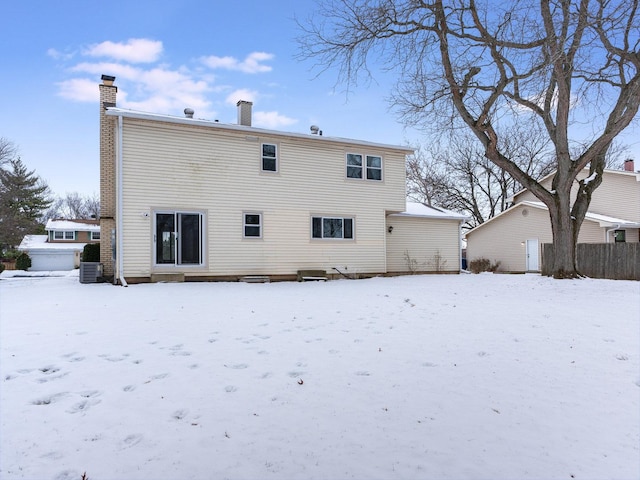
(419, 377)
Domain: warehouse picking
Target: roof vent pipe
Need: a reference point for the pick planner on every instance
(244, 113)
(188, 112)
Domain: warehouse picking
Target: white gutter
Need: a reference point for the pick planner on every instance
(119, 240)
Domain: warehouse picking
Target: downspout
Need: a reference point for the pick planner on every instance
(608, 231)
(460, 246)
(119, 195)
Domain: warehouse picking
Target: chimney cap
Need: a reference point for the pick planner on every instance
(108, 79)
(243, 102)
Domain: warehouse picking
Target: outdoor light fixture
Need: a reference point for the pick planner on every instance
(390, 229)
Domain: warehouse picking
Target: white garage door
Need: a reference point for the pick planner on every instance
(45, 261)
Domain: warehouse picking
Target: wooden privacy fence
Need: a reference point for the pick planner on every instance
(615, 261)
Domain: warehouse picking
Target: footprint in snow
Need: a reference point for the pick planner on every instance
(49, 399)
(83, 406)
(238, 366)
(230, 389)
(179, 414)
(52, 377)
(429, 364)
(68, 475)
(131, 440)
(363, 373)
(128, 388)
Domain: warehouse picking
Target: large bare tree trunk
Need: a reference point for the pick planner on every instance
(564, 245)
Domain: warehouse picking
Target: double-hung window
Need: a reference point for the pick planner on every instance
(179, 238)
(354, 165)
(269, 157)
(364, 167)
(95, 235)
(59, 235)
(332, 227)
(252, 225)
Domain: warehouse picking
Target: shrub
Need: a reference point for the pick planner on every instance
(91, 252)
(1, 267)
(478, 265)
(23, 262)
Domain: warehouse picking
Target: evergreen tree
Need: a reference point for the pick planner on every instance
(24, 197)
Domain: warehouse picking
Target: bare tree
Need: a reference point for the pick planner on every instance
(459, 176)
(571, 66)
(8, 151)
(74, 206)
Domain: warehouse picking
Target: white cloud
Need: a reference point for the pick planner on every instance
(272, 120)
(57, 55)
(79, 90)
(135, 50)
(251, 64)
(241, 94)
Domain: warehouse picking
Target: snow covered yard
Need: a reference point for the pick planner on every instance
(420, 377)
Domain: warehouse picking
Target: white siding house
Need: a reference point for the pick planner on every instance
(205, 200)
(515, 237)
(184, 198)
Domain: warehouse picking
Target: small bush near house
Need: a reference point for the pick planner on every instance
(91, 252)
(478, 265)
(23, 262)
(1, 267)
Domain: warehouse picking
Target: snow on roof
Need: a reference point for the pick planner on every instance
(72, 225)
(415, 209)
(39, 242)
(115, 111)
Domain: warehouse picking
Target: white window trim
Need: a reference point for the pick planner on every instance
(93, 235)
(63, 235)
(347, 166)
(334, 217)
(277, 158)
(244, 225)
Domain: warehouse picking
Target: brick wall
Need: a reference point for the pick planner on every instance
(107, 177)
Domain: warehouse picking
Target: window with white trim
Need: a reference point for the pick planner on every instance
(332, 227)
(178, 238)
(60, 235)
(252, 225)
(374, 167)
(368, 169)
(269, 157)
(354, 165)
(95, 235)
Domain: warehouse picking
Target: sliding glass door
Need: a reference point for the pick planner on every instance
(178, 238)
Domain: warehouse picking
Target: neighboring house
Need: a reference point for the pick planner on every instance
(190, 199)
(61, 247)
(515, 236)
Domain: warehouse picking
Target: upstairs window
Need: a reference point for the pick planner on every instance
(252, 225)
(368, 169)
(354, 165)
(269, 157)
(374, 167)
(329, 227)
(95, 235)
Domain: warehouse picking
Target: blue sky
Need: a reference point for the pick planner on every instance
(168, 55)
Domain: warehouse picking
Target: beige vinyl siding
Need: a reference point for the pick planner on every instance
(187, 168)
(504, 239)
(423, 239)
(617, 196)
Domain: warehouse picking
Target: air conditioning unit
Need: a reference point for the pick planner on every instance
(90, 272)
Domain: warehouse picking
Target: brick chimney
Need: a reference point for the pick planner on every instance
(629, 165)
(107, 173)
(244, 112)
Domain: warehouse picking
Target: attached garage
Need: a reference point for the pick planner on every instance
(51, 256)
